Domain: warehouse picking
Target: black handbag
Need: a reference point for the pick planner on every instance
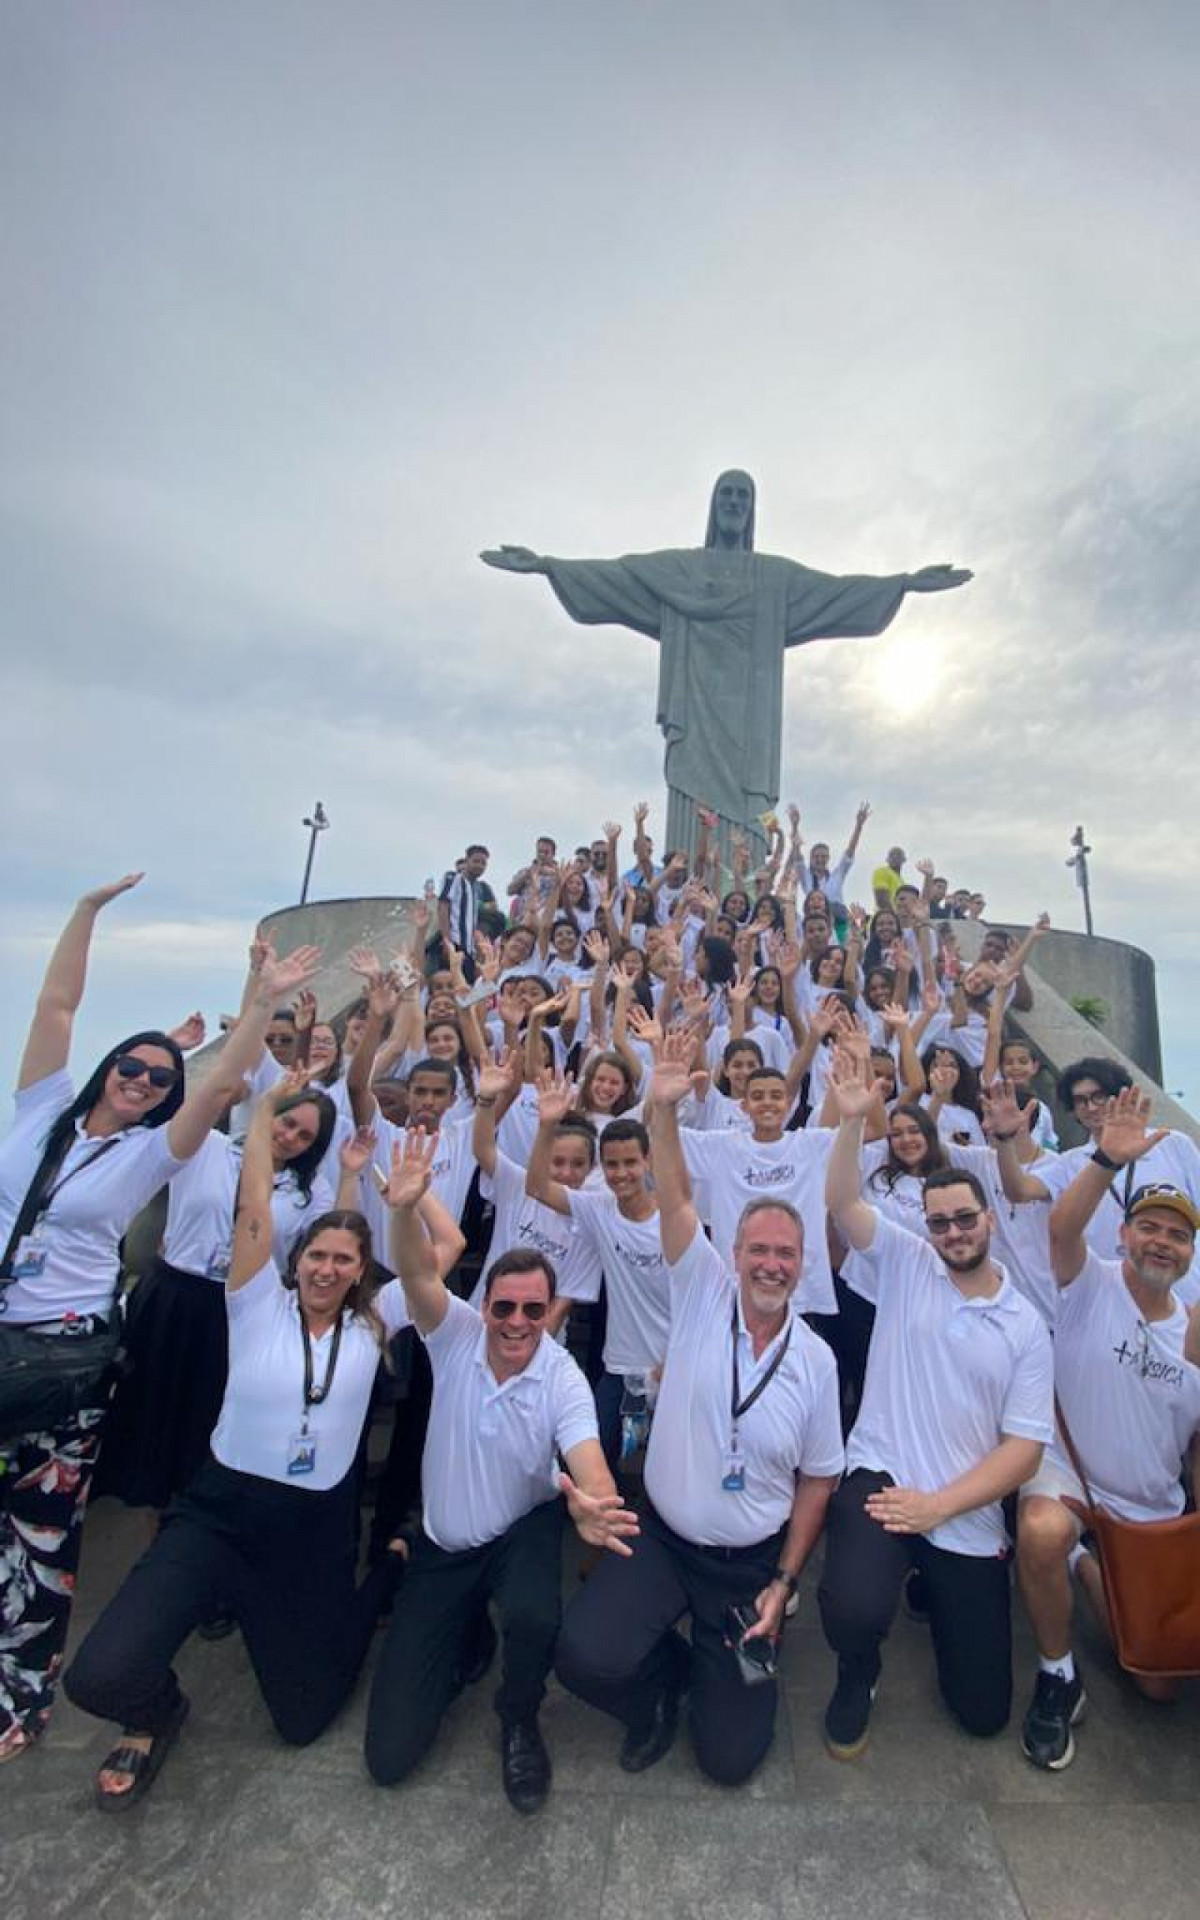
(47, 1378)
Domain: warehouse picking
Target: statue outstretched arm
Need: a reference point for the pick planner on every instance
(513, 559)
(937, 579)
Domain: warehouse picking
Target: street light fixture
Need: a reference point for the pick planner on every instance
(1078, 860)
(316, 822)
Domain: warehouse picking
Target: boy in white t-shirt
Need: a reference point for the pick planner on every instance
(1128, 1395)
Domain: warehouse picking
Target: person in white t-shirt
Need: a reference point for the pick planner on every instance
(75, 1170)
(818, 875)
(744, 1453)
(956, 1409)
(267, 1530)
(1128, 1396)
(507, 1403)
(621, 1226)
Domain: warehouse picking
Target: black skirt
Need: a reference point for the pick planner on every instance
(168, 1399)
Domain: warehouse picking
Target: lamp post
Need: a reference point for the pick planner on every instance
(316, 822)
(1078, 860)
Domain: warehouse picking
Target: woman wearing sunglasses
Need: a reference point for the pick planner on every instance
(74, 1171)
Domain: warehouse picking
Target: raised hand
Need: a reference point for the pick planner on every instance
(281, 978)
(1125, 1136)
(602, 1519)
(943, 1078)
(938, 578)
(706, 817)
(671, 1078)
(363, 962)
(644, 1027)
(412, 1168)
(495, 1077)
(189, 1033)
(292, 1082)
(864, 813)
(925, 867)
(641, 813)
(100, 896)
(354, 1153)
(513, 559)
(611, 830)
(1002, 1116)
(304, 1010)
(556, 1097)
(596, 948)
(788, 956)
(739, 991)
(383, 995)
(620, 982)
(894, 1017)
(850, 1082)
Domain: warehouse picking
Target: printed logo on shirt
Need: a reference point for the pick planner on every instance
(531, 1235)
(768, 1176)
(1146, 1364)
(636, 1257)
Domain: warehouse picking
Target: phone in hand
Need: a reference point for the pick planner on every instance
(758, 1660)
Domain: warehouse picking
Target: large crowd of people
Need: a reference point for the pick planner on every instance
(696, 1207)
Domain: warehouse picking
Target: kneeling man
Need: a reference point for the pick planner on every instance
(744, 1452)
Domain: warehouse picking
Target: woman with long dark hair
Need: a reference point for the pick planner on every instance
(167, 1403)
(74, 1171)
(266, 1533)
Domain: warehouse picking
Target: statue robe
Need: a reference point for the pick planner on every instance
(723, 620)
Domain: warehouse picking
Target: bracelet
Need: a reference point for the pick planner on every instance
(1101, 1159)
(786, 1579)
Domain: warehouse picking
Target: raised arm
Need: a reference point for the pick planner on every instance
(1022, 998)
(49, 1042)
(252, 1225)
(383, 997)
(495, 1092)
(277, 980)
(1008, 1131)
(852, 1091)
(860, 821)
(911, 1073)
(1123, 1139)
(679, 1222)
(555, 1095)
(413, 1254)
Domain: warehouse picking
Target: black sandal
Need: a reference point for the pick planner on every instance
(143, 1767)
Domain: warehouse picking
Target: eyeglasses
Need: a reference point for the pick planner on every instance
(505, 1309)
(941, 1223)
(129, 1067)
(1096, 1099)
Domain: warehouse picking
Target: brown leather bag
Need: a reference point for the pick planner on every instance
(1151, 1573)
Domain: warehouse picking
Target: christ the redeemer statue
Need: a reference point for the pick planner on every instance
(724, 616)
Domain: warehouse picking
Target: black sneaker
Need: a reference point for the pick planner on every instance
(1056, 1707)
(848, 1715)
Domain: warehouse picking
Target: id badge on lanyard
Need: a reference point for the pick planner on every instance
(302, 1453)
(32, 1252)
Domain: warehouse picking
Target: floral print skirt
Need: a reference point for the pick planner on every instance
(44, 1484)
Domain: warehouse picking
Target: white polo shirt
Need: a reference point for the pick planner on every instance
(524, 1222)
(1174, 1162)
(948, 1378)
(201, 1197)
(793, 1428)
(735, 1168)
(1130, 1398)
(263, 1408)
(491, 1449)
(102, 1183)
(635, 1280)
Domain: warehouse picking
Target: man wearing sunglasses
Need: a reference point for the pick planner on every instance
(1127, 1392)
(508, 1403)
(956, 1407)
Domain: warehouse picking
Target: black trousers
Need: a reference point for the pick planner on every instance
(969, 1613)
(277, 1558)
(617, 1649)
(398, 1490)
(434, 1620)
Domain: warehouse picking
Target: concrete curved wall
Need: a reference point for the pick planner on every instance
(1109, 970)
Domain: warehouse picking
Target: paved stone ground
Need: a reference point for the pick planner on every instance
(929, 1825)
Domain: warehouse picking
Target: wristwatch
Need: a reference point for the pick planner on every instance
(787, 1579)
(1101, 1159)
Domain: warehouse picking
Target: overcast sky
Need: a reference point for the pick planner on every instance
(305, 304)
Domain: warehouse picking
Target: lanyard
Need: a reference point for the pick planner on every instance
(314, 1395)
(89, 1160)
(738, 1406)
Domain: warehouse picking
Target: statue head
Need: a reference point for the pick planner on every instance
(731, 511)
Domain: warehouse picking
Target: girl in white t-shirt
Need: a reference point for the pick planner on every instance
(953, 1097)
(267, 1530)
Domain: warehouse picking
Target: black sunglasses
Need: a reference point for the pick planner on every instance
(505, 1309)
(940, 1223)
(129, 1067)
